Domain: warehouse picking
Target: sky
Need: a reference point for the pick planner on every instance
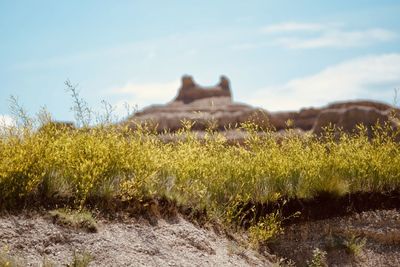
(278, 55)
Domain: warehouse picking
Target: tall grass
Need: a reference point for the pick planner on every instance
(108, 161)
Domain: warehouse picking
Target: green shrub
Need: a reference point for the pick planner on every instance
(266, 229)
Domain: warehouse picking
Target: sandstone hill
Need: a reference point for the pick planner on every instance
(215, 106)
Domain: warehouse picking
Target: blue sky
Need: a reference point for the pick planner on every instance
(279, 55)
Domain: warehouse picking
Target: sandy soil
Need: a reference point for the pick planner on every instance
(31, 237)
(135, 242)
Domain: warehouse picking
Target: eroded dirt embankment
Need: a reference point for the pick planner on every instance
(34, 236)
(31, 237)
(361, 229)
(370, 238)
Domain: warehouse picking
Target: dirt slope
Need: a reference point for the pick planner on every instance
(380, 229)
(128, 243)
(132, 242)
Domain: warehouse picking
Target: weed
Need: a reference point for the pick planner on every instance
(80, 260)
(107, 162)
(82, 112)
(78, 219)
(352, 244)
(266, 229)
(318, 259)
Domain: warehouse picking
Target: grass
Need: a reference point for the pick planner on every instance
(78, 219)
(40, 159)
(318, 259)
(265, 229)
(108, 162)
(80, 260)
(352, 244)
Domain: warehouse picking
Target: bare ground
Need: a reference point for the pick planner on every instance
(379, 228)
(32, 237)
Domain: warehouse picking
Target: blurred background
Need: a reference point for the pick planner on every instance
(279, 55)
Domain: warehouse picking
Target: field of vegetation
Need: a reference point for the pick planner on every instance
(41, 160)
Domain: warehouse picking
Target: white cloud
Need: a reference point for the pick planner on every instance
(338, 38)
(143, 94)
(354, 79)
(292, 27)
(295, 35)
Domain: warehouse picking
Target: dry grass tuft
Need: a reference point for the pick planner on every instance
(75, 219)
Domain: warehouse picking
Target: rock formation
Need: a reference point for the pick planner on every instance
(348, 118)
(205, 105)
(213, 106)
(190, 91)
